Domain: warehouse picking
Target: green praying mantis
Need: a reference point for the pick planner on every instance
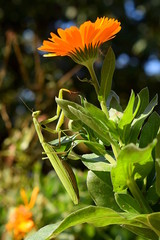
(62, 169)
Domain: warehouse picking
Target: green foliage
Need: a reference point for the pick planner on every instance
(100, 217)
(128, 113)
(107, 75)
(154, 221)
(96, 163)
(127, 203)
(150, 130)
(76, 112)
(132, 162)
(52, 202)
(123, 176)
(124, 182)
(138, 121)
(157, 183)
(20, 149)
(100, 188)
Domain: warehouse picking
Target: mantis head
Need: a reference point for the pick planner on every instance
(36, 114)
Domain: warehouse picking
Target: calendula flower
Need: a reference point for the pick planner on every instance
(81, 44)
(21, 219)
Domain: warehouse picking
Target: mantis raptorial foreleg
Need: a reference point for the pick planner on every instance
(59, 115)
(63, 170)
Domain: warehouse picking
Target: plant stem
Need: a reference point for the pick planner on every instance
(137, 194)
(104, 108)
(95, 82)
(115, 149)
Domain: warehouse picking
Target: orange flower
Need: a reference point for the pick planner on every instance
(20, 219)
(81, 43)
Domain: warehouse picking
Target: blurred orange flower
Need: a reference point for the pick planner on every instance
(21, 219)
(75, 41)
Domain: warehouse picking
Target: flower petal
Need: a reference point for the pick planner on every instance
(74, 40)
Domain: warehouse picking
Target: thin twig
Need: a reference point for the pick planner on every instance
(5, 117)
(20, 61)
(67, 76)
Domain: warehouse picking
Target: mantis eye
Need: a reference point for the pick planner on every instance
(36, 114)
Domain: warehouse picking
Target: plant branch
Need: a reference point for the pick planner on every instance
(95, 82)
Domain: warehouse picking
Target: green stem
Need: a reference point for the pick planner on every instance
(115, 149)
(104, 108)
(95, 82)
(137, 194)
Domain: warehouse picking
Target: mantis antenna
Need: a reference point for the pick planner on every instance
(26, 105)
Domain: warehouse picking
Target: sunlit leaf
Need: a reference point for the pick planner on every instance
(142, 232)
(113, 101)
(127, 203)
(95, 147)
(64, 104)
(128, 112)
(138, 122)
(157, 148)
(131, 161)
(101, 130)
(107, 75)
(98, 216)
(150, 129)
(96, 163)
(144, 100)
(101, 190)
(152, 195)
(99, 116)
(157, 182)
(154, 220)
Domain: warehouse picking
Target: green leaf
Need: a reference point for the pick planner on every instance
(94, 111)
(131, 161)
(95, 147)
(63, 141)
(63, 144)
(154, 221)
(44, 233)
(98, 216)
(157, 148)
(107, 75)
(138, 122)
(128, 112)
(127, 203)
(113, 101)
(99, 116)
(144, 100)
(96, 163)
(136, 107)
(76, 112)
(152, 196)
(150, 129)
(143, 232)
(101, 190)
(157, 183)
(99, 128)
(64, 104)
(151, 220)
(75, 125)
(88, 117)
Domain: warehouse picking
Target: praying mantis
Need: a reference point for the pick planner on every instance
(62, 169)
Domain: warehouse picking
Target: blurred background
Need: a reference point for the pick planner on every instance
(24, 73)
